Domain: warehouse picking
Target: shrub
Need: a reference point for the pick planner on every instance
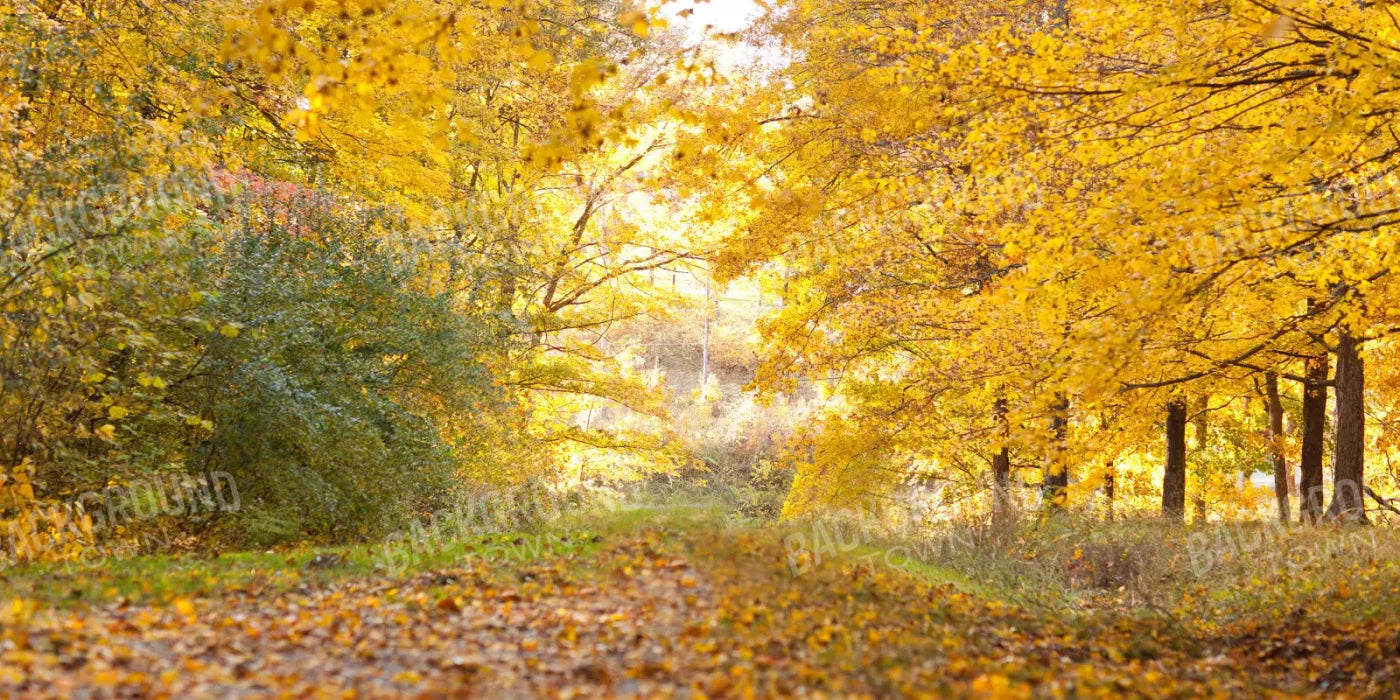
(335, 386)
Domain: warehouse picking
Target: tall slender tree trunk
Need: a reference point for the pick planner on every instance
(1281, 476)
(1349, 467)
(1001, 465)
(1174, 476)
(1314, 431)
(1110, 474)
(1109, 479)
(1056, 469)
(1200, 426)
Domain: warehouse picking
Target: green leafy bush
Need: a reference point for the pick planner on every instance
(340, 379)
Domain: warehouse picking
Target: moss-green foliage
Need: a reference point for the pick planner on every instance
(331, 402)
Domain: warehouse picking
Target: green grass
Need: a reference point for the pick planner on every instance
(151, 578)
(673, 515)
(145, 578)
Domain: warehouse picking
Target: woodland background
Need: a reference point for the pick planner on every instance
(1065, 297)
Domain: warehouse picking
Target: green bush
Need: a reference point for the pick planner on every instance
(336, 385)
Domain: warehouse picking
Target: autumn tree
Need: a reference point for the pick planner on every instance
(1139, 212)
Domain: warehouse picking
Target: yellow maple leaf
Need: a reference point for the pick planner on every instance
(636, 19)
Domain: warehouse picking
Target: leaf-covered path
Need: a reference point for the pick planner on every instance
(653, 612)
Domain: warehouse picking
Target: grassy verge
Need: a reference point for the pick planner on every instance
(157, 578)
(1203, 577)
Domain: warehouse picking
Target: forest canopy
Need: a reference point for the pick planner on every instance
(367, 258)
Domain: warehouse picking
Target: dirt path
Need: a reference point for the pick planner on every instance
(651, 614)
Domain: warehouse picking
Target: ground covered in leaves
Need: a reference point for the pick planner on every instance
(650, 610)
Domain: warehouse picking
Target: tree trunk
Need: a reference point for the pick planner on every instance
(1056, 471)
(1108, 487)
(1349, 467)
(1200, 426)
(1174, 477)
(1281, 476)
(1314, 430)
(1001, 465)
